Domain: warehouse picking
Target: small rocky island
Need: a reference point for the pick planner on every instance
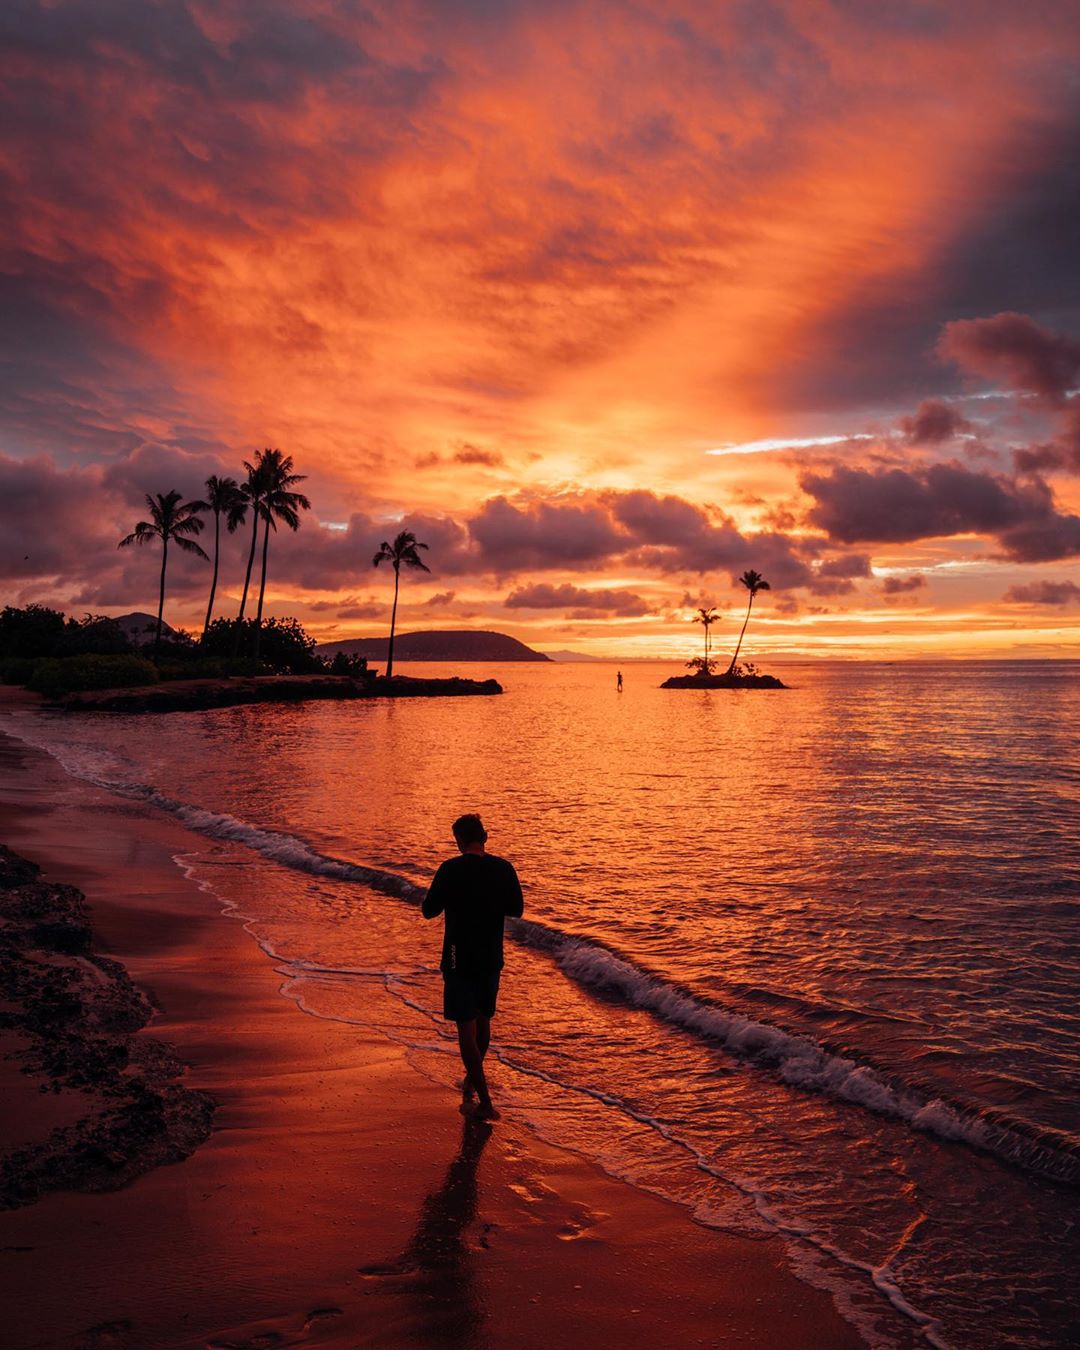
(729, 680)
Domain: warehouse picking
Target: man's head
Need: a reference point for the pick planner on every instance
(469, 832)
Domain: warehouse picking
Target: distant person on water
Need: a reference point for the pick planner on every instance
(476, 891)
(618, 680)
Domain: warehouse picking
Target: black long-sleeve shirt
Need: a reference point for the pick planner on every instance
(476, 891)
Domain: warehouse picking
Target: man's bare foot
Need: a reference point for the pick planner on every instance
(480, 1110)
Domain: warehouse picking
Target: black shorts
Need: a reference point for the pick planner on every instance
(469, 996)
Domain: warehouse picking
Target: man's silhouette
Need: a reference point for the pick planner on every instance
(477, 891)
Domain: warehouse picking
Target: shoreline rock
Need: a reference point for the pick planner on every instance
(723, 682)
(79, 1014)
(229, 692)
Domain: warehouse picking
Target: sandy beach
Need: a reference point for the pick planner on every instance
(340, 1198)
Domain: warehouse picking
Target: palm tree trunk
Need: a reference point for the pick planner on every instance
(251, 556)
(213, 583)
(738, 645)
(161, 593)
(262, 592)
(247, 577)
(393, 622)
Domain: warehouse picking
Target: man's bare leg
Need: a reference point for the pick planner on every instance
(483, 1040)
(473, 1059)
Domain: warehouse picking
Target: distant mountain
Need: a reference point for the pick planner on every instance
(566, 655)
(139, 627)
(450, 644)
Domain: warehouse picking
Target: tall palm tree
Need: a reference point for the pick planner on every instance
(170, 520)
(225, 498)
(402, 550)
(278, 502)
(253, 493)
(754, 582)
(707, 616)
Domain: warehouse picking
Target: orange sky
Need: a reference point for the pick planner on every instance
(512, 274)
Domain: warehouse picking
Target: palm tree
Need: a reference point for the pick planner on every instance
(754, 582)
(253, 493)
(402, 550)
(707, 616)
(169, 520)
(225, 498)
(278, 502)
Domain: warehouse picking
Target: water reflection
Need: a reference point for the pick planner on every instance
(437, 1267)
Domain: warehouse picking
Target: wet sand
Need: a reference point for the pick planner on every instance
(340, 1199)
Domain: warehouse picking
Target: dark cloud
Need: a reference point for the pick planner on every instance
(835, 576)
(61, 528)
(154, 467)
(844, 565)
(545, 596)
(1013, 351)
(319, 558)
(1059, 455)
(933, 421)
(937, 501)
(670, 534)
(1044, 593)
(439, 599)
(897, 585)
(54, 524)
(542, 535)
(472, 454)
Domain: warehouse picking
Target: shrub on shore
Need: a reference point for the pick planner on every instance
(346, 663)
(202, 668)
(37, 631)
(285, 648)
(55, 676)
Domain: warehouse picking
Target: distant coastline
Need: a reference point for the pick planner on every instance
(449, 644)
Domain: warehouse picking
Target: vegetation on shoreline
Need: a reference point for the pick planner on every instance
(54, 655)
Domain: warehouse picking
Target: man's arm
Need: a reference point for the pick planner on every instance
(434, 902)
(513, 900)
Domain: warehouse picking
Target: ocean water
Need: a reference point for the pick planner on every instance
(807, 962)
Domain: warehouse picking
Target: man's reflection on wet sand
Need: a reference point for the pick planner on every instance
(436, 1268)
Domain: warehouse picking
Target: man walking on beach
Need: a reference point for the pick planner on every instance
(477, 891)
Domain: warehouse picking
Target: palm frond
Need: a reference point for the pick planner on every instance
(189, 546)
(141, 534)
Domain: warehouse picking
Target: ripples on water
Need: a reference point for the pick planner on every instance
(801, 960)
